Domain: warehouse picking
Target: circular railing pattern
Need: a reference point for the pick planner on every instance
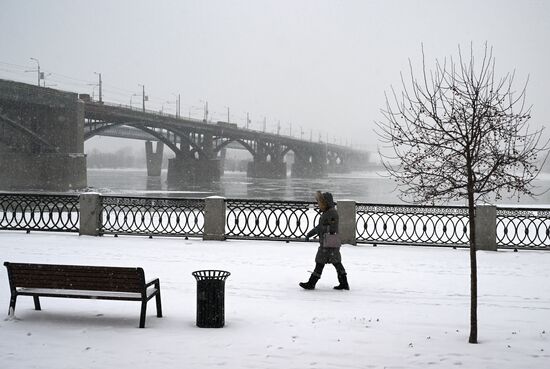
(147, 216)
(265, 219)
(523, 228)
(277, 220)
(412, 225)
(59, 213)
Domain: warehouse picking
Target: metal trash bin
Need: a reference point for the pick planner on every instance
(210, 297)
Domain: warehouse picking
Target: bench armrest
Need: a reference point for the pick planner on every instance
(155, 282)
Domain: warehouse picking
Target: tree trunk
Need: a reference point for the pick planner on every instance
(473, 269)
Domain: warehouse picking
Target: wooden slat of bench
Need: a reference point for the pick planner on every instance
(19, 275)
(75, 273)
(78, 273)
(77, 277)
(72, 268)
(72, 283)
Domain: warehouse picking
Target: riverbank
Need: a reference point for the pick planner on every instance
(407, 308)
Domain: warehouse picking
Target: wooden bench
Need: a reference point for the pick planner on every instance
(83, 282)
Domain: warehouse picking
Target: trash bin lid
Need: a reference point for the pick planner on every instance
(201, 275)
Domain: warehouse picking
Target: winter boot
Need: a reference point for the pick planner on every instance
(310, 285)
(343, 279)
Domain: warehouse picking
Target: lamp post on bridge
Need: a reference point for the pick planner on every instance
(227, 114)
(144, 98)
(177, 102)
(205, 119)
(100, 84)
(40, 75)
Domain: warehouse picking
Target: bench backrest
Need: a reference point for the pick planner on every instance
(75, 277)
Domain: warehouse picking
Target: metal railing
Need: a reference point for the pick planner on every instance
(523, 228)
(516, 227)
(265, 219)
(37, 212)
(412, 225)
(148, 216)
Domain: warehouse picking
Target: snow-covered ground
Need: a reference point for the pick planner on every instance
(407, 308)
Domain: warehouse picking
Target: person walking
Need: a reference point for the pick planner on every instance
(328, 223)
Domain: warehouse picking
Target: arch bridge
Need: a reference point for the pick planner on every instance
(43, 130)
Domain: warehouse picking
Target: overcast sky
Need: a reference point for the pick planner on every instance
(322, 66)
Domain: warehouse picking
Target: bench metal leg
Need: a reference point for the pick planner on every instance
(159, 306)
(13, 300)
(36, 303)
(143, 312)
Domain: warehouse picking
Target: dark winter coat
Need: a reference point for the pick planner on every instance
(328, 222)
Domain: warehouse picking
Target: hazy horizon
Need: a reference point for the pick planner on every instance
(317, 67)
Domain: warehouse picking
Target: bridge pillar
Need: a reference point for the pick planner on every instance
(335, 166)
(269, 162)
(192, 171)
(310, 165)
(154, 159)
(266, 169)
(41, 138)
(359, 161)
(223, 155)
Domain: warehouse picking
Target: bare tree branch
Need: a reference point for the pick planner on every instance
(460, 132)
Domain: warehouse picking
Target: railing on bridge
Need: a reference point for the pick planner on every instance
(516, 228)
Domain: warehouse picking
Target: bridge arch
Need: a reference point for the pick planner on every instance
(244, 144)
(171, 143)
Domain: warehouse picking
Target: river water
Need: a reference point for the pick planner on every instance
(369, 187)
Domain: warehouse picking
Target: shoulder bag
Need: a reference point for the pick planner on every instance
(332, 240)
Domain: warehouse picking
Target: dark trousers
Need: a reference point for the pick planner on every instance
(319, 269)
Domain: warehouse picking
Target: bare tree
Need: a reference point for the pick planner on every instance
(460, 132)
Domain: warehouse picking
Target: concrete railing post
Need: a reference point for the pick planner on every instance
(486, 227)
(346, 226)
(90, 214)
(214, 218)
